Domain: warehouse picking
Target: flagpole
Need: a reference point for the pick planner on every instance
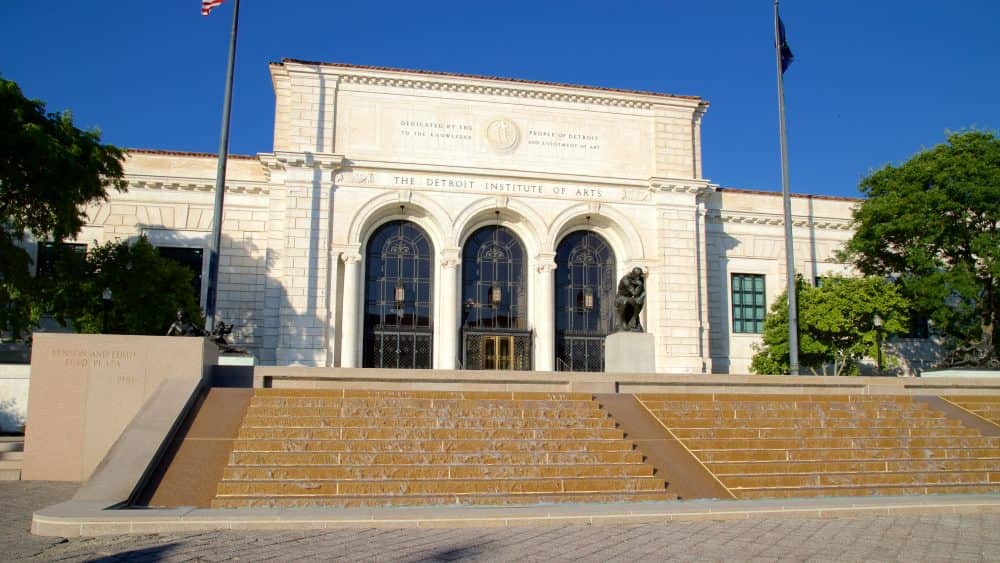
(220, 180)
(793, 315)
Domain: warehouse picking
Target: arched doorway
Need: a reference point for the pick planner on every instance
(584, 301)
(399, 297)
(494, 302)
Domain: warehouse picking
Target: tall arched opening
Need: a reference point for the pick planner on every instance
(495, 331)
(584, 301)
(399, 297)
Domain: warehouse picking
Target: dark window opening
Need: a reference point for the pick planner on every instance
(399, 289)
(190, 258)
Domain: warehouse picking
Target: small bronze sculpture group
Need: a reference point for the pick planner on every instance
(184, 327)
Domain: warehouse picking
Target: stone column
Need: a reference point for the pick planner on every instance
(448, 323)
(352, 303)
(331, 308)
(545, 316)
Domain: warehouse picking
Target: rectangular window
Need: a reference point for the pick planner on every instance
(919, 325)
(749, 306)
(48, 255)
(190, 258)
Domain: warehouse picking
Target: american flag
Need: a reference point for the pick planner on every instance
(207, 5)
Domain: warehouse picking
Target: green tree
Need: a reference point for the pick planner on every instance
(146, 289)
(932, 222)
(49, 170)
(836, 325)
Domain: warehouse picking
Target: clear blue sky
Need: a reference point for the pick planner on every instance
(873, 81)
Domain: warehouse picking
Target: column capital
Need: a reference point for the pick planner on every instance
(545, 262)
(546, 267)
(451, 257)
(350, 258)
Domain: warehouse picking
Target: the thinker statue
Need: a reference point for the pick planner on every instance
(629, 301)
(183, 326)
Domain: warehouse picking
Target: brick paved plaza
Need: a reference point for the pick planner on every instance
(971, 537)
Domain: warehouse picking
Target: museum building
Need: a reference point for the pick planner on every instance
(410, 219)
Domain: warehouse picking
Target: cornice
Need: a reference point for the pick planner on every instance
(677, 185)
(282, 160)
(168, 183)
(490, 85)
(504, 91)
(774, 219)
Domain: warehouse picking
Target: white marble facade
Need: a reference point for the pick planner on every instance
(357, 147)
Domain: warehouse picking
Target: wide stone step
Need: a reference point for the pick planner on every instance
(408, 412)
(430, 434)
(412, 402)
(832, 443)
(767, 402)
(840, 454)
(701, 422)
(887, 490)
(327, 501)
(830, 432)
(764, 398)
(801, 406)
(793, 414)
(599, 420)
(440, 458)
(11, 445)
(860, 479)
(873, 465)
(397, 472)
(10, 470)
(428, 445)
(386, 487)
(387, 393)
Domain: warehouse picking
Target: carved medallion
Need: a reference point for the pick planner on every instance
(503, 134)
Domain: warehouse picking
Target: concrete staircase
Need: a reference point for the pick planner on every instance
(11, 457)
(310, 448)
(772, 446)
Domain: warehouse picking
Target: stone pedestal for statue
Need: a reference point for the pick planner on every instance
(630, 352)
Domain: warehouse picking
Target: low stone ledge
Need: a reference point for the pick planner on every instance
(80, 519)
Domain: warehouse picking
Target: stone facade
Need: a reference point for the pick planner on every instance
(358, 147)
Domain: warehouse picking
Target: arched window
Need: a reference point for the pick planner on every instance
(399, 297)
(494, 301)
(585, 301)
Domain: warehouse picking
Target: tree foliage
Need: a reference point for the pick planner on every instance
(836, 325)
(146, 289)
(49, 170)
(934, 223)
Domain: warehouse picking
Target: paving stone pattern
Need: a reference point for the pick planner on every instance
(971, 537)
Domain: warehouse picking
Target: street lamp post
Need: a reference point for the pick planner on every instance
(877, 321)
(106, 297)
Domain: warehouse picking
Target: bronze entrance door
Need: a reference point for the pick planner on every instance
(495, 335)
(511, 351)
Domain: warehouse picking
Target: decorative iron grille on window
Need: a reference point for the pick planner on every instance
(494, 301)
(399, 283)
(585, 286)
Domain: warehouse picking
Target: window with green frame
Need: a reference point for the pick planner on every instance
(748, 303)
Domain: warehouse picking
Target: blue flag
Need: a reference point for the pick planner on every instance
(786, 52)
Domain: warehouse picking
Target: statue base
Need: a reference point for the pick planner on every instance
(630, 352)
